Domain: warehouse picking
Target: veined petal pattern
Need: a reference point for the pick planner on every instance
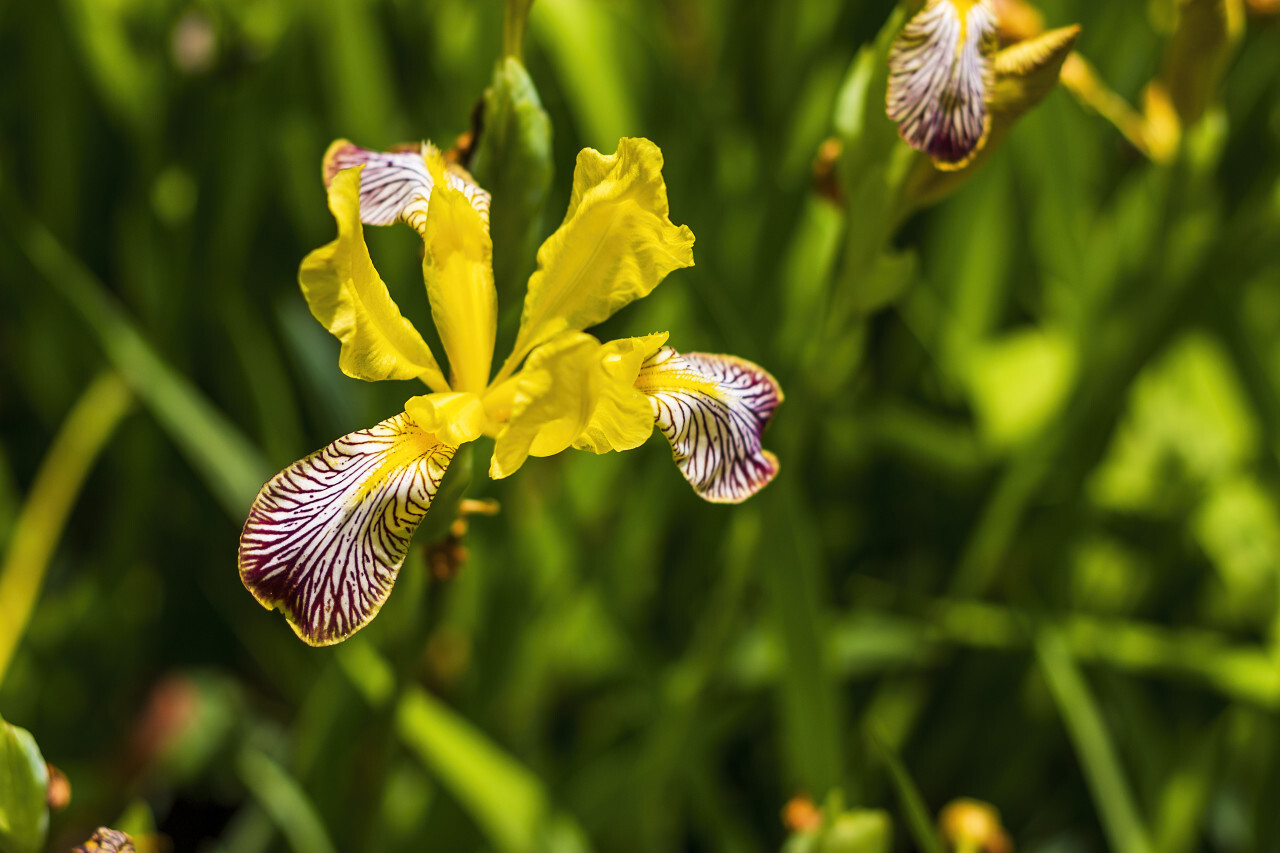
(326, 537)
(713, 409)
(940, 78)
(396, 185)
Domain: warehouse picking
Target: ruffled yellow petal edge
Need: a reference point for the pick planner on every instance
(616, 245)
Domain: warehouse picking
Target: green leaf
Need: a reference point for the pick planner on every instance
(916, 813)
(1112, 796)
(513, 162)
(232, 467)
(24, 782)
(284, 800)
(506, 800)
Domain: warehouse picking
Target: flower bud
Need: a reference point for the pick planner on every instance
(972, 826)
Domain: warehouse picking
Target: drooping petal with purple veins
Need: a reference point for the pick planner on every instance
(396, 185)
(940, 79)
(714, 409)
(326, 536)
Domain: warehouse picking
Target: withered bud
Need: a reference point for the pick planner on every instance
(801, 815)
(172, 707)
(106, 840)
(826, 176)
(58, 792)
(483, 506)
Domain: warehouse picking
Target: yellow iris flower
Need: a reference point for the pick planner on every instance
(326, 537)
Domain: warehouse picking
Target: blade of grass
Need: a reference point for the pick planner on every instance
(231, 466)
(1097, 755)
(284, 801)
(791, 576)
(506, 800)
(919, 824)
(38, 529)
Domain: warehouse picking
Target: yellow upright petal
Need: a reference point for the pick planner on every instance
(615, 245)
(575, 391)
(349, 299)
(458, 267)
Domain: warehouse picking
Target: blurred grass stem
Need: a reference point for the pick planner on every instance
(514, 20)
(232, 467)
(85, 432)
(1098, 760)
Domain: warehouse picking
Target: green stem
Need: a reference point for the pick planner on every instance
(513, 27)
(39, 526)
(231, 466)
(1111, 793)
(283, 799)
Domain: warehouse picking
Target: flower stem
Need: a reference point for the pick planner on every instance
(58, 482)
(513, 25)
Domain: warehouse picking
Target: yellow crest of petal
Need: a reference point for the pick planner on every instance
(454, 417)
(623, 416)
(349, 298)
(457, 265)
(615, 245)
(575, 391)
(552, 405)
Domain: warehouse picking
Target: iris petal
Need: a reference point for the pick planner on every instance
(326, 537)
(616, 244)
(396, 185)
(713, 409)
(576, 392)
(457, 265)
(349, 298)
(940, 78)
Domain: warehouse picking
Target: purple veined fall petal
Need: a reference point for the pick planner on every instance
(326, 537)
(396, 185)
(941, 77)
(714, 409)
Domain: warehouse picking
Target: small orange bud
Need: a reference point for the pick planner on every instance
(826, 178)
(801, 815)
(58, 793)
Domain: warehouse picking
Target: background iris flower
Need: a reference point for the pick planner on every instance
(941, 77)
(326, 537)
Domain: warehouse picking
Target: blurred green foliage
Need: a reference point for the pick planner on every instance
(1025, 545)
